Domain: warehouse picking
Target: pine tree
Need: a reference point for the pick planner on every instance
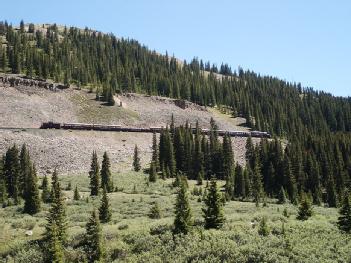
(57, 213)
(4, 60)
(3, 192)
(168, 153)
(12, 173)
(94, 176)
(263, 229)
(155, 212)
(110, 100)
(257, 188)
(136, 159)
(213, 210)
(76, 195)
(106, 180)
(104, 209)
(93, 240)
(3, 188)
(55, 247)
(289, 179)
(155, 152)
(250, 151)
(31, 193)
(282, 196)
(332, 198)
(228, 158)
(198, 160)
(183, 215)
(344, 220)
(54, 184)
(25, 167)
(45, 194)
(305, 208)
(229, 187)
(152, 173)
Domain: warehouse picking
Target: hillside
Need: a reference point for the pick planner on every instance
(182, 195)
(28, 107)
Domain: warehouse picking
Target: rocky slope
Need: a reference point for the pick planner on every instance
(70, 151)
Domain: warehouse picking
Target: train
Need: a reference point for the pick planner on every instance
(119, 128)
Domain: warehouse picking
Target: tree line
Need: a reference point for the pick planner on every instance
(18, 181)
(273, 168)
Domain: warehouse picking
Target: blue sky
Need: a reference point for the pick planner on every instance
(301, 41)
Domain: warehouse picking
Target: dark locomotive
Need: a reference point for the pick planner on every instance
(119, 128)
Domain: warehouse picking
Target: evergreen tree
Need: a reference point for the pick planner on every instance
(93, 240)
(282, 196)
(305, 208)
(57, 213)
(213, 210)
(94, 176)
(257, 188)
(152, 173)
(136, 159)
(155, 155)
(55, 247)
(344, 220)
(198, 160)
(25, 169)
(12, 173)
(31, 194)
(45, 194)
(289, 179)
(3, 192)
(104, 209)
(4, 60)
(110, 100)
(183, 215)
(250, 151)
(54, 184)
(228, 158)
(76, 195)
(3, 188)
(332, 198)
(155, 212)
(106, 180)
(263, 229)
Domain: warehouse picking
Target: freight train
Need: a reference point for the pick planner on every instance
(105, 127)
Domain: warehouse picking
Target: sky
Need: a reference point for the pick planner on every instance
(306, 41)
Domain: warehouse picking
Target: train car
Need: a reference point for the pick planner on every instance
(260, 134)
(50, 125)
(156, 129)
(78, 126)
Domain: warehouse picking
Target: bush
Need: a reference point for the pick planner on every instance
(160, 229)
(263, 229)
(155, 212)
(30, 253)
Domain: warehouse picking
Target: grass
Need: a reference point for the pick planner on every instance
(132, 236)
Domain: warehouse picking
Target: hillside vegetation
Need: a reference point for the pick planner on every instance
(132, 236)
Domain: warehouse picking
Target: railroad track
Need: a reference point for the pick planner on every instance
(119, 128)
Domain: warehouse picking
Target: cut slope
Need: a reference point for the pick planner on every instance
(70, 151)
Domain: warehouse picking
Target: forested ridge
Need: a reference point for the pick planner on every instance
(316, 124)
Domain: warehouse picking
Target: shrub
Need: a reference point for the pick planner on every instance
(263, 229)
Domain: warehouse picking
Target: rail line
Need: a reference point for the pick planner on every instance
(119, 128)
